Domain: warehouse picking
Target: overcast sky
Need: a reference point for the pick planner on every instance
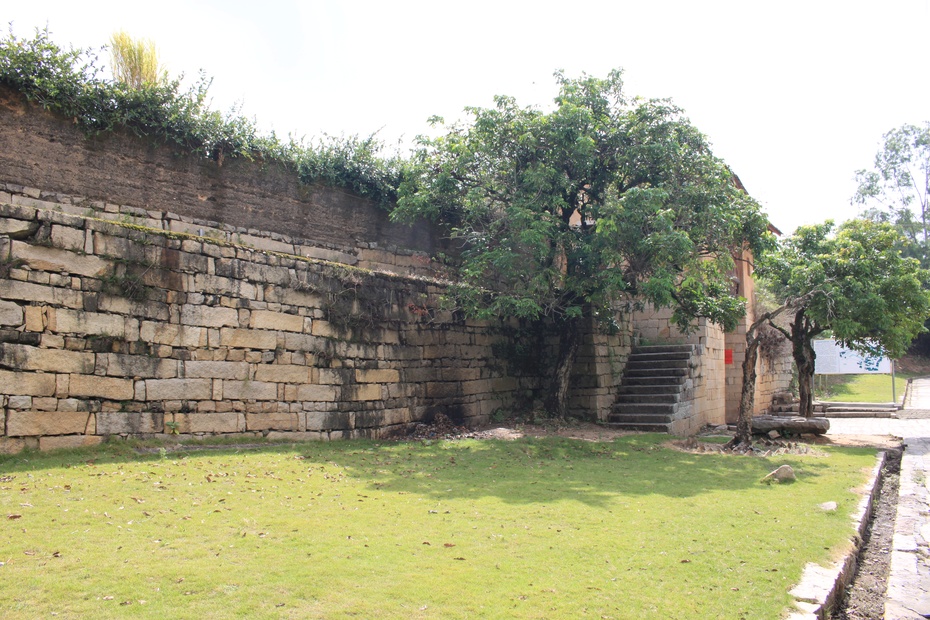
(794, 95)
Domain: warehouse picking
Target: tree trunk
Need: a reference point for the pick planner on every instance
(804, 358)
(569, 342)
(747, 399)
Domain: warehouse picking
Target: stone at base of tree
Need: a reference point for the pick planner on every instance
(764, 424)
(774, 434)
(782, 474)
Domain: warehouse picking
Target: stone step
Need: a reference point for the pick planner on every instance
(637, 408)
(647, 427)
(651, 381)
(682, 355)
(657, 364)
(655, 372)
(648, 398)
(639, 418)
(664, 348)
(650, 389)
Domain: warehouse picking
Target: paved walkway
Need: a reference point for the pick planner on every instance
(908, 594)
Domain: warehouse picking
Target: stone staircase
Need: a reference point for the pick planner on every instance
(656, 389)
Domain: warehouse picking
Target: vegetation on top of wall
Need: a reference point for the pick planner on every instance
(70, 82)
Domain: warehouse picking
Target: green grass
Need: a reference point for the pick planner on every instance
(539, 528)
(859, 388)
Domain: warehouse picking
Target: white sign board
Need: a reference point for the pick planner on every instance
(835, 359)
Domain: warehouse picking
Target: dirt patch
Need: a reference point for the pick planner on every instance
(443, 428)
(865, 596)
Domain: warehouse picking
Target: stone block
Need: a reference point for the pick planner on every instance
(68, 238)
(208, 316)
(224, 422)
(443, 390)
(11, 314)
(20, 402)
(265, 319)
(377, 376)
(367, 391)
(249, 390)
(333, 376)
(110, 388)
(482, 386)
(292, 297)
(12, 445)
(45, 403)
(125, 422)
(173, 335)
(23, 357)
(36, 318)
(216, 370)
(295, 436)
(40, 294)
(209, 283)
(316, 393)
(27, 383)
(141, 366)
(248, 339)
(68, 441)
(328, 255)
(72, 404)
(282, 373)
(266, 244)
(301, 342)
(329, 420)
(66, 321)
(178, 389)
(272, 421)
(18, 229)
(42, 258)
(37, 423)
(323, 329)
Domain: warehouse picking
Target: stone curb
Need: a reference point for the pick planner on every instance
(820, 587)
(908, 593)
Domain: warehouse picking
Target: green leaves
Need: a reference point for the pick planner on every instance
(896, 189)
(604, 200)
(854, 282)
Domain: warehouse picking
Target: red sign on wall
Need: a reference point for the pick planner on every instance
(728, 356)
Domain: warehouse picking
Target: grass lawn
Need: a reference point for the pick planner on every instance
(859, 388)
(535, 528)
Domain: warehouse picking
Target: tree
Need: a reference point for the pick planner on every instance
(854, 283)
(135, 61)
(898, 188)
(563, 215)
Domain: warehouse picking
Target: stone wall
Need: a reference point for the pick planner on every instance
(235, 199)
(115, 322)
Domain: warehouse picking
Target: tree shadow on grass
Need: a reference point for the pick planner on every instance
(526, 471)
(541, 471)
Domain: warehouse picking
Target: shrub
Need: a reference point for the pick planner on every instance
(69, 82)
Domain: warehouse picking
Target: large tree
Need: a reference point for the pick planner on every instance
(854, 283)
(897, 189)
(565, 214)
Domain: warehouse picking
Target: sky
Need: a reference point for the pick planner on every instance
(794, 95)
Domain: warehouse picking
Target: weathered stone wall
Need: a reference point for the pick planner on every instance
(110, 328)
(235, 199)
(146, 291)
(598, 370)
